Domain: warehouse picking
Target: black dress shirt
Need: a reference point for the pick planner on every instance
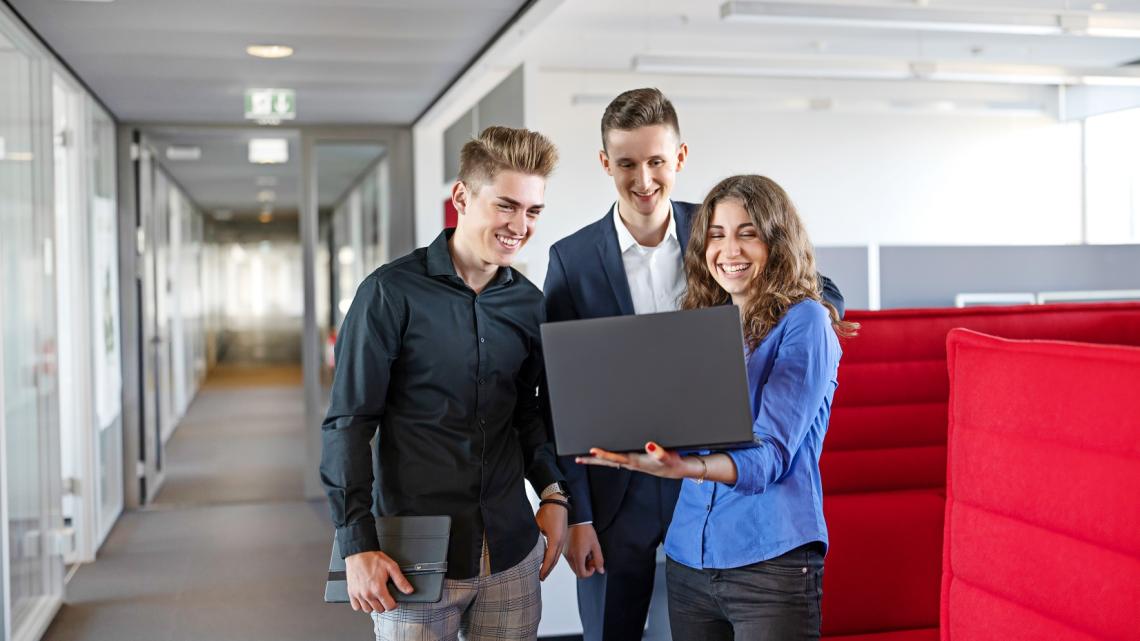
(450, 379)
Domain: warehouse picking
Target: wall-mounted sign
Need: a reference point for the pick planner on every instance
(270, 104)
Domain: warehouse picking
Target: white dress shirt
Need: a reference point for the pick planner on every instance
(656, 275)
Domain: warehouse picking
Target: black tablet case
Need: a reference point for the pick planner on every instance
(417, 543)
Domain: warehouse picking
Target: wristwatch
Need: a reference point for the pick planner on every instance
(557, 487)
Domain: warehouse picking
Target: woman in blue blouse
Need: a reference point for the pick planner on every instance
(747, 540)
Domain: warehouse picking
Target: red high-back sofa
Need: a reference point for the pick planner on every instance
(884, 458)
(1042, 536)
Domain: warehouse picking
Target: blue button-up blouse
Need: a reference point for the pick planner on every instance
(776, 504)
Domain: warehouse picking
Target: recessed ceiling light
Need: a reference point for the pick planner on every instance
(266, 151)
(269, 51)
(266, 196)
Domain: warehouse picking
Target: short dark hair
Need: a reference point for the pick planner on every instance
(639, 108)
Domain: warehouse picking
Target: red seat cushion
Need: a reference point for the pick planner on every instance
(1042, 537)
(882, 570)
(924, 634)
(887, 437)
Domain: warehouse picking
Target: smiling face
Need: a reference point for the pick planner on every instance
(734, 252)
(643, 163)
(497, 218)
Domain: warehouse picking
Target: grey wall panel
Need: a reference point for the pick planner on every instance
(401, 231)
(847, 266)
(503, 105)
(932, 276)
(457, 135)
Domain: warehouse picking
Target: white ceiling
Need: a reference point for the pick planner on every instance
(383, 61)
(605, 36)
(184, 61)
(356, 61)
(224, 179)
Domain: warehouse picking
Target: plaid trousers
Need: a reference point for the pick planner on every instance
(499, 606)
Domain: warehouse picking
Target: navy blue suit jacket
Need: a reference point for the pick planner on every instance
(586, 279)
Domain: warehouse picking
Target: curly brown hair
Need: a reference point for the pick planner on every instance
(789, 275)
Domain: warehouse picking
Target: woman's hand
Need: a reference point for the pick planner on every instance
(656, 460)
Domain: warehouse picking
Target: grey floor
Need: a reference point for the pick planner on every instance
(229, 550)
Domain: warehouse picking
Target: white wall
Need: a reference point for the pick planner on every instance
(858, 173)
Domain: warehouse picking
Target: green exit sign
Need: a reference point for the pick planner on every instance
(270, 104)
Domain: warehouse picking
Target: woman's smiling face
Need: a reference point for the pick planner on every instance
(734, 252)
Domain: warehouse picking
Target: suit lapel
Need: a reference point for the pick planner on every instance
(683, 218)
(610, 254)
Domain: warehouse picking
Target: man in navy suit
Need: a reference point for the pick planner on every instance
(629, 262)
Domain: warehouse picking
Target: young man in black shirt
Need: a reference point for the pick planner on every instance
(440, 351)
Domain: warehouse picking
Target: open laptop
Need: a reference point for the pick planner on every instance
(676, 378)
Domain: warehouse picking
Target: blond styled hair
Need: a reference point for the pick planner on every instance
(500, 149)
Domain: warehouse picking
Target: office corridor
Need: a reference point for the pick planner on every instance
(229, 549)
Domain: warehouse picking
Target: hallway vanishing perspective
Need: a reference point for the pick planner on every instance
(230, 549)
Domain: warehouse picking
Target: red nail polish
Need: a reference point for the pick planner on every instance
(652, 447)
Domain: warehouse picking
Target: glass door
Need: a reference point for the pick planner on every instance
(106, 352)
(152, 344)
(30, 497)
(73, 314)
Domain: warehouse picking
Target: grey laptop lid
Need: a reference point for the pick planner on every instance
(676, 378)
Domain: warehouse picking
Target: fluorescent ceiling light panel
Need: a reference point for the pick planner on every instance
(269, 51)
(1110, 81)
(179, 152)
(773, 68)
(268, 151)
(886, 70)
(923, 18)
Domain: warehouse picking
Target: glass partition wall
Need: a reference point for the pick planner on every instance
(31, 519)
(346, 229)
(173, 331)
(61, 483)
(87, 303)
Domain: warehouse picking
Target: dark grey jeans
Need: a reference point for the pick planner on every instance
(772, 600)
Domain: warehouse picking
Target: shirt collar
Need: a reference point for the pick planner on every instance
(439, 261)
(626, 239)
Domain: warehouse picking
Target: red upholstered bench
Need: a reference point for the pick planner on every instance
(1042, 536)
(884, 458)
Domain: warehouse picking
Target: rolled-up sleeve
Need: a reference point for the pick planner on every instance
(368, 343)
(791, 398)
